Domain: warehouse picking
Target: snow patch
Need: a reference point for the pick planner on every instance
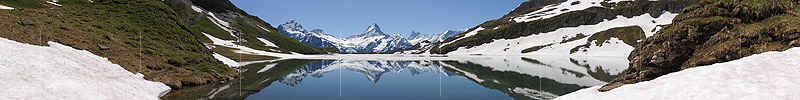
(226, 60)
(614, 47)
(766, 76)
(247, 50)
(54, 2)
(61, 72)
(267, 43)
(197, 9)
(221, 23)
(561, 8)
(6, 7)
(267, 67)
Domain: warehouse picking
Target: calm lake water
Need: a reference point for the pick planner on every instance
(472, 78)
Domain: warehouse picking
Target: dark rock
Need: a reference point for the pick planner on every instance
(26, 22)
(103, 47)
(658, 57)
(63, 28)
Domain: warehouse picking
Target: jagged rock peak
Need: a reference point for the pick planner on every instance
(414, 34)
(374, 29)
(291, 22)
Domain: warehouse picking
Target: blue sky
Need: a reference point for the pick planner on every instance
(393, 16)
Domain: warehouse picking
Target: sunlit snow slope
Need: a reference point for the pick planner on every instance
(61, 72)
(766, 76)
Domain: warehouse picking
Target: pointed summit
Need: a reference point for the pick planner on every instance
(291, 27)
(414, 34)
(293, 24)
(374, 29)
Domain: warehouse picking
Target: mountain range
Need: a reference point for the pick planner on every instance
(371, 40)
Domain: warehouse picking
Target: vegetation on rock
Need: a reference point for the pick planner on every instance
(714, 31)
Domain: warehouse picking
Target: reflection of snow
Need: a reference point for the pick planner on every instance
(535, 94)
(559, 68)
(371, 69)
(226, 60)
(61, 72)
(468, 74)
(766, 76)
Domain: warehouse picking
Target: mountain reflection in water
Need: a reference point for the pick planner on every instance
(496, 78)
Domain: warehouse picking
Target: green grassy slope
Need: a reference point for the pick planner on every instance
(249, 28)
(143, 36)
(507, 29)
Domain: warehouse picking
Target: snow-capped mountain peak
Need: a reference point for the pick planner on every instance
(317, 31)
(372, 30)
(414, 34)
(371, 40)
(292, 26)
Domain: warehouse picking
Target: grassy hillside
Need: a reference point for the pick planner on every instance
(249, 28)
(142, 36)
(506, 29)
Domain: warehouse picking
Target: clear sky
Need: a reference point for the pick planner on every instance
(393, 16)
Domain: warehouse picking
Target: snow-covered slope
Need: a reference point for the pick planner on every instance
(766, 76)
(374, 40)
(553, 45)
(572, 27)
(61, 72)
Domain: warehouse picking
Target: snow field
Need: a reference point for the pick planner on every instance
(766, 76)
(61, 72)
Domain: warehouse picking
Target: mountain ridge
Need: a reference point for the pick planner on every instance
(371, 40)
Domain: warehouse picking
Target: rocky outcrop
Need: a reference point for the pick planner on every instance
(711, 32)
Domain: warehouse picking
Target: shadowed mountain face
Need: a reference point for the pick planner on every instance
(512, 77)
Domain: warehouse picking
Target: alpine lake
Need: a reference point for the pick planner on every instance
(420, 78)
